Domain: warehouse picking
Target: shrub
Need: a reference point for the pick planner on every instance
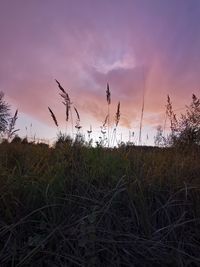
(7, 122)
(185, 130)
(4, 114)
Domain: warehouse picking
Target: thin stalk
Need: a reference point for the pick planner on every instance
(165, 122)
(72, 123)
(141, 120)
(142, 112)
(114, 136)
(108, 98)
(108, 125)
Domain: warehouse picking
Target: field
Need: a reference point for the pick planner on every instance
(73, 205)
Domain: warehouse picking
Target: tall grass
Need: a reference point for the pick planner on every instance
(105, 128)
(141, 119)
(77, 205)
(70, 205)
(108, 98)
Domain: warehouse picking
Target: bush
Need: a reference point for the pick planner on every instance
(185, 131)
(189, 124)
(4, 114)
(7, 122)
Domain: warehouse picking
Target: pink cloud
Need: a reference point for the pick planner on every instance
(135, 46)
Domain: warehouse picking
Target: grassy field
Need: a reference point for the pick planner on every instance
(72, 205)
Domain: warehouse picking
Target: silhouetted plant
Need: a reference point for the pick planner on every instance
(63, 139)
(189, 124)
(89, 133)
(117, 118)
(186, 129)
(172, 116)
(53, 117)
(67, 102)
(11, 127)
(108, 98)
(159, 139)
(16, 140)
(7, 122)
(4, 114)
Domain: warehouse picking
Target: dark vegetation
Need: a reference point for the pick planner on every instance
(77, 205)
(7, 122)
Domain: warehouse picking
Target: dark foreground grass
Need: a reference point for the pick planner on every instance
(78, 206)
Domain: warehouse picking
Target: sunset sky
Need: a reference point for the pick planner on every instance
(135, 45)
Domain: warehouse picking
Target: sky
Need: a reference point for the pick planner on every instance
(137, 46)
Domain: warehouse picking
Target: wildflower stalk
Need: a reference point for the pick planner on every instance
(108, 97)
